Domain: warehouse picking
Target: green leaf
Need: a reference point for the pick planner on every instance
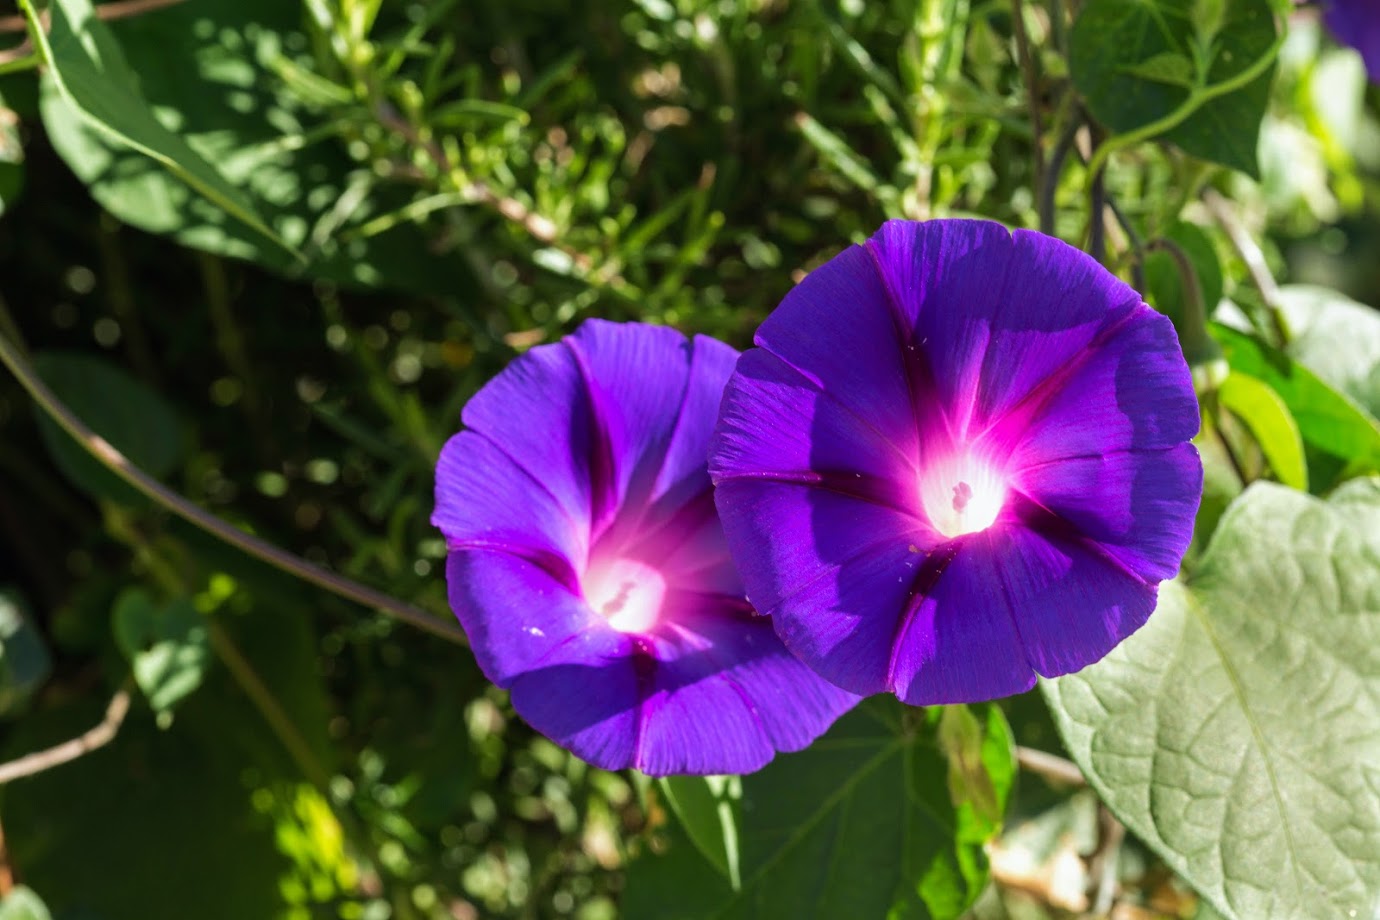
(877, 818)
(90, 70)
(1124, 57)
(1166, 67)
(1328, 421)
(168, 647)
(214, 69)
(24, 660)
(130, 416)
(1236, 733)
(707, 807)
(22, 904)
(1263, 411)
(1336, 338)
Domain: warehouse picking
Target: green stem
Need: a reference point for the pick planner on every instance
(105, 454)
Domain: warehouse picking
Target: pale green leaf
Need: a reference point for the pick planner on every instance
(1238, 733)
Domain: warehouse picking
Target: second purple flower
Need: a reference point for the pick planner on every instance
(957, 458)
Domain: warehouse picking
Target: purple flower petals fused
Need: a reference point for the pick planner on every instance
(589, 569)
(957, 458)
(1356, 23)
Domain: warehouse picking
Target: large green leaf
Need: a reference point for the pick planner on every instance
(1133, 62)
(1238, 733)
(90, 70)
(130, 416)
(207, 70)
(887, 814)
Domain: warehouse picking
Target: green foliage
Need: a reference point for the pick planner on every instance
(24, 659)
(130, 416)
(22, 904)
(1265, 413)
(1328, 421)
(168, 647)
(707, 808)
(1141, 64)
(1240, 722)
(89, 68)
(887, 814)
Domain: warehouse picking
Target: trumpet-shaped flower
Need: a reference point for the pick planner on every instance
(957, 458)
(589, 569)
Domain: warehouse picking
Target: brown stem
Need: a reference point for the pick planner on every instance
(1050, 767)
(106, 454)
(67, 751)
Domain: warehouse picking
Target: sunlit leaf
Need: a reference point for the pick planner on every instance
(1238, 732)
(90, 69)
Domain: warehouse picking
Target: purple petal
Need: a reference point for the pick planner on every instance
(1357, 23)
(538, 411)
(716, 694)
(1132, 393)
(637, 379)
(774, 422)
(791, 704)
(1070, 600)
(728, 696)
(1139, 506)
(832, 570)
(587, 696)
(995, 314)
(838, 328)
(683, 476)
(957, 642)
(515, 611)
(485, 499)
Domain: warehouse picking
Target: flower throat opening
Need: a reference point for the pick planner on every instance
(961, 494)
(628, 593)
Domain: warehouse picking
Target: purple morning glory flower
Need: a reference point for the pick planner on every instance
(1356, 23)
(957, 458)
(589, 569)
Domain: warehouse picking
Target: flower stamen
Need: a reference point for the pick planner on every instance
(628, 593)
(961, 494)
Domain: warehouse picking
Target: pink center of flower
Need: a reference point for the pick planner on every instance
(961, 493)
(626, 592)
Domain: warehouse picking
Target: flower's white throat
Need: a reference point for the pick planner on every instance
(961, 494)
(627, 592)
